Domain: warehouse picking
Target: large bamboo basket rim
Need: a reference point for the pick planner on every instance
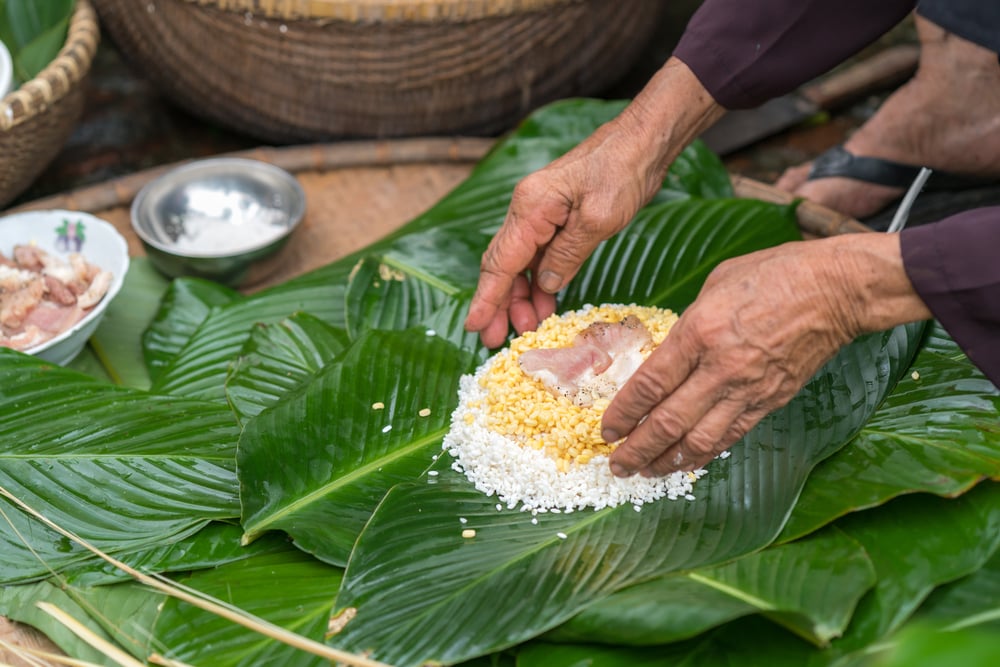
(382, 10)
(814, 219)
(60, 76)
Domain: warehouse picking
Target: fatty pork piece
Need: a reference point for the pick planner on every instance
(41, 295)
(600, 360)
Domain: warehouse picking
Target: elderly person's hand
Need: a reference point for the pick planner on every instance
(762, 325)
(559, 215)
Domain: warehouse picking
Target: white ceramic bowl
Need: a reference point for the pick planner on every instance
(102, 245)
(6, 71)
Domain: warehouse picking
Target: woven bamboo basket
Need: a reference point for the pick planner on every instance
(311, 70)
(37, 118)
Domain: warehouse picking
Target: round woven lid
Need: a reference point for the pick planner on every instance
(60, 76)
(383, 10)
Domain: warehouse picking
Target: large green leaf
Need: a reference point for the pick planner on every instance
(199, 369)
(937, 433)
(34, 32)
(279, 357)
(749, 642)
(216, 544)
(119, 467)
(382, 296)
(667, 252)
(916, 543)
(186, 304)
(921, 646)
(907, 540)
(19, 603)
(415, 535)
(970, 601)
(371, 419)
(810, 586)
(287, 588)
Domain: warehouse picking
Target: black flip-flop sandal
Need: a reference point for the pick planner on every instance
(839, 162)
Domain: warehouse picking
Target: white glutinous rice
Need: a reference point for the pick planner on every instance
(520, 463)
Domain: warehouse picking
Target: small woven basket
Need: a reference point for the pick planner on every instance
(310, 70)
(37, 118)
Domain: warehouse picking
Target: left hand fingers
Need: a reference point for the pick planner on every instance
(665, 370)
(717, 431)
(666, 424)
(524, 314)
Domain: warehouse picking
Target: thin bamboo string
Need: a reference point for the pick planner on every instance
(242, 618)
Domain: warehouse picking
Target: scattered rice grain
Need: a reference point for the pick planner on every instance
(915, 375)
(387, 428)
(425, 412)
(561, 536)
(378, 405)
(468, 533)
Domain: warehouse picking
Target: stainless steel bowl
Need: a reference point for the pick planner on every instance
(215, 218)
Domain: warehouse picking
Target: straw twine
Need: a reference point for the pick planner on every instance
(37, 118)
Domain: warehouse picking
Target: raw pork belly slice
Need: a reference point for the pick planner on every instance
(601, 359)
(42, 295)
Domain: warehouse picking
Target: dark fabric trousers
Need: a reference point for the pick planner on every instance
(975, 20)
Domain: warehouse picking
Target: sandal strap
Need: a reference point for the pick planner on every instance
(838, 162)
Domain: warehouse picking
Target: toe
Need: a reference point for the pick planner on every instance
(793, 177)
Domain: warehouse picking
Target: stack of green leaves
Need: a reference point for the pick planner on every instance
(275, 452)
(33, 31)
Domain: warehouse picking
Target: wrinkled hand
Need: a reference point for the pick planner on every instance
(761, 326)
(556, 219)
(560, 214)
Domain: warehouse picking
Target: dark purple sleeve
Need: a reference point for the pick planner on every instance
(955, 267)
(747, 52)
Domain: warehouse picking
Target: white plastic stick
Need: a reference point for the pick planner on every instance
(903, 212)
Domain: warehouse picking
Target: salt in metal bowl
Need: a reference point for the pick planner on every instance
(215, 218)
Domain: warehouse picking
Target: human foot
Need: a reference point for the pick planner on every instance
(947, 118)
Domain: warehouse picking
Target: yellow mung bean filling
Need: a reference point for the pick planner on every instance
(519, 407)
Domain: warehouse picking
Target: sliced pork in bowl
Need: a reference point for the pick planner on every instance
(59, 270)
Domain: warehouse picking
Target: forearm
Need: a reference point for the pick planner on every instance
(875, 291)
(668, 113)
(747, 53)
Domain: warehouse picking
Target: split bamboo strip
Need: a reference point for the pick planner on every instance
(88, 635)
(240, 617)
